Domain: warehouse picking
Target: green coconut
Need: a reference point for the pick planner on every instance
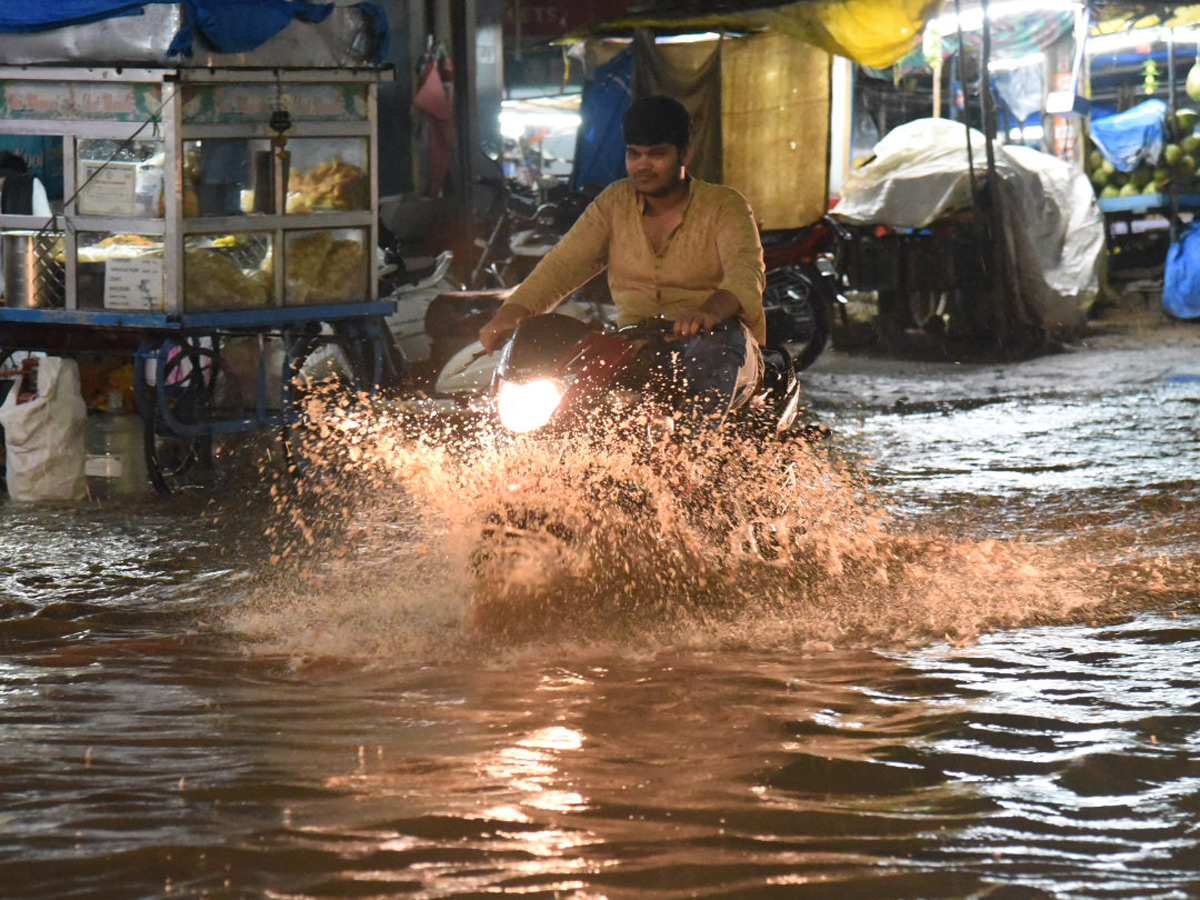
(1110, 192)
(1193, 82)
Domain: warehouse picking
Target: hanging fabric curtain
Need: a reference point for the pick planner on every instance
(691, 74)
(775, 133)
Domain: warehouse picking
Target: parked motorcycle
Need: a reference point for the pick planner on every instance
(803, 291)
(521, 224)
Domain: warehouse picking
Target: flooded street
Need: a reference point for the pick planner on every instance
(1001, 699)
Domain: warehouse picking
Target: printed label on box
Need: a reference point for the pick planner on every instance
(112, 190)
(135, 283)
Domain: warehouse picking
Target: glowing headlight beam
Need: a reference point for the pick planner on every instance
(528, 407)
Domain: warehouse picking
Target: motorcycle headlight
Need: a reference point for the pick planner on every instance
(527, 407)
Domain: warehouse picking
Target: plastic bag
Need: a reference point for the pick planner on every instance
(44, 437)
(1181, 277)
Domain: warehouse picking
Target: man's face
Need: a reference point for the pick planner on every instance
(656, 169)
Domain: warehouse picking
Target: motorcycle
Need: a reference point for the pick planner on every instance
(803, 290)
(413, 291)
(557, 373)
(521, 224)
(799, 302)
(452, 374)
(610, 425)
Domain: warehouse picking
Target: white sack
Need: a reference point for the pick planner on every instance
(44, 437)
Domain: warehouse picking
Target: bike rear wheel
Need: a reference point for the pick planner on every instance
(798, 314)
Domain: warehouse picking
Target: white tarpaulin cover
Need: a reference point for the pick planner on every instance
(920, 174)
(44, 437)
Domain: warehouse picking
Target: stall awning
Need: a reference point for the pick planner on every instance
(874, 33)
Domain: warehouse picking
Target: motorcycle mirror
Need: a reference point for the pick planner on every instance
(490, 149)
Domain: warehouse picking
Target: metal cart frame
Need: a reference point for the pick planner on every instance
(126, 104)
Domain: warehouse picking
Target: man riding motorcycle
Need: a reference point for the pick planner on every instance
(675, 247)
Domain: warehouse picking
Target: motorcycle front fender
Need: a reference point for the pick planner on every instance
(468, 372)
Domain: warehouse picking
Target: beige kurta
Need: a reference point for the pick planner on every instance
(716, 246)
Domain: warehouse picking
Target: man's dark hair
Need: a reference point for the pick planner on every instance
(657, 120)
(13, 162)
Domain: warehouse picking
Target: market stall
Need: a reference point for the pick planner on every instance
(207, 203)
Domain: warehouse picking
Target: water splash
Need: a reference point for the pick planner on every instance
(404, 538)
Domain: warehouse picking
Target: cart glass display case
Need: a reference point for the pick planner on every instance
(119, 271)
(197, 190)
(204, 203)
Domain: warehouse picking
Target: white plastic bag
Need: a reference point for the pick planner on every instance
(44, 437)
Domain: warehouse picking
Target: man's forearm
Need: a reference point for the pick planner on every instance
(723, 304)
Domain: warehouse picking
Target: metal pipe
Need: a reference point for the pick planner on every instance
(985, 94)
(1170, 70)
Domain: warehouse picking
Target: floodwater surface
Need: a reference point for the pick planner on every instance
(950, 653)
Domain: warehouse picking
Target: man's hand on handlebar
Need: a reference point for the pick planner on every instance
(502, 324)
(720, 306)
(698, 321)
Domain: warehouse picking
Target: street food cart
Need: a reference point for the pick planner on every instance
(205, 204)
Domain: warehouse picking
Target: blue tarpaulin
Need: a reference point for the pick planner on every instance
(1181, 276)
(1127, 138)
(38, 15)
(600, 148)
(231, 26)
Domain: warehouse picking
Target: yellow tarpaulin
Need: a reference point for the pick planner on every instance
(874, 33)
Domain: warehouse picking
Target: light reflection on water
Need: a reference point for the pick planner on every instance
(1016, 445)
(148, 748)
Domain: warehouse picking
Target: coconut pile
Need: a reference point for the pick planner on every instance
(1174, 170)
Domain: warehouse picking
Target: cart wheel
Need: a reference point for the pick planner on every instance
(798, 315)
(188, 374)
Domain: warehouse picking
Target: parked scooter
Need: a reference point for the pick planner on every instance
(413, 291)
